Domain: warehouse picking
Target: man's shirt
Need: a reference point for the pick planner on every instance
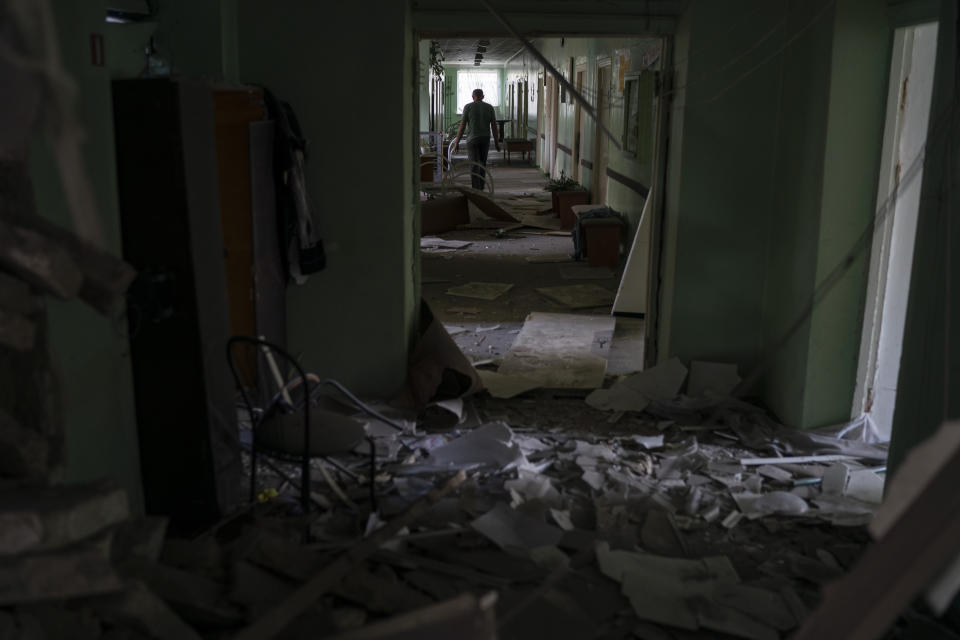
(478, 116)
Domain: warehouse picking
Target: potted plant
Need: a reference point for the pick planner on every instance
(566, 193)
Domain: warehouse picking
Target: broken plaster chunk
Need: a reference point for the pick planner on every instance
(593, 478)
(36, 519)
(649, 442)
(635, 392)
(755, 505)
(775, 473)
(865, 485)
(665, 590)
(711, 514)
(733, 519)
(562, 518)
(754, 483)
(835, 479)
(602, 451)
(549, 557)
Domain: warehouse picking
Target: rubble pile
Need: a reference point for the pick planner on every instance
(539, 516)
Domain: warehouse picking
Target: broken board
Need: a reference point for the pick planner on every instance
(486, 205)
(632, 293)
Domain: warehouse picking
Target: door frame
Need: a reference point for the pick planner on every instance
(603, 63)
(882, 250)
(579, 80)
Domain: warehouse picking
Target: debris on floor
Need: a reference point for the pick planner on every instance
(561, 351)
(431, 242)
(579, 296)
(480, 290)
(541, 512)
(586, 272)
(550, 258)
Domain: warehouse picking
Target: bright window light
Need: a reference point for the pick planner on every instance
(486, 81)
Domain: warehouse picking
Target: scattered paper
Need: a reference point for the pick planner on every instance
(635, 392)
(429, 242)
(756, 505)
(511, 529)
(454, 406)
(489, 445)
(533, 486)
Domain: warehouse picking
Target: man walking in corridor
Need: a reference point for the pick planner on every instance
(480, 118)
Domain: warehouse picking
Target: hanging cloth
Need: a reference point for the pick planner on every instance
(301, 246)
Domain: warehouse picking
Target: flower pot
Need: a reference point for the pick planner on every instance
(564, 200)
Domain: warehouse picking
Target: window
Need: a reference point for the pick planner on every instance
(638, 114)
(486, 81)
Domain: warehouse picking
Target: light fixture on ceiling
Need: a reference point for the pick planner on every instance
(122, 11)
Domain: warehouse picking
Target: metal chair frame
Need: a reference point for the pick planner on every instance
(303, 459)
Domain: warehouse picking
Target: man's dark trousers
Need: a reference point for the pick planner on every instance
(477, 150)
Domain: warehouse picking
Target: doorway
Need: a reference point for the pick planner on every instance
(898, 198)
(482, 272)
(601, 144)
(553, 107)
(578, 124)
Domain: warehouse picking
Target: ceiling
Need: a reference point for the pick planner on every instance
(464, 50)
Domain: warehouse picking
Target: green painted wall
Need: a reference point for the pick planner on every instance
(190, 35)
(90, 352)
(862, 40)
(718, 197)
(794, 192)
(773, 180)
(586, 52)
(353, 320)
